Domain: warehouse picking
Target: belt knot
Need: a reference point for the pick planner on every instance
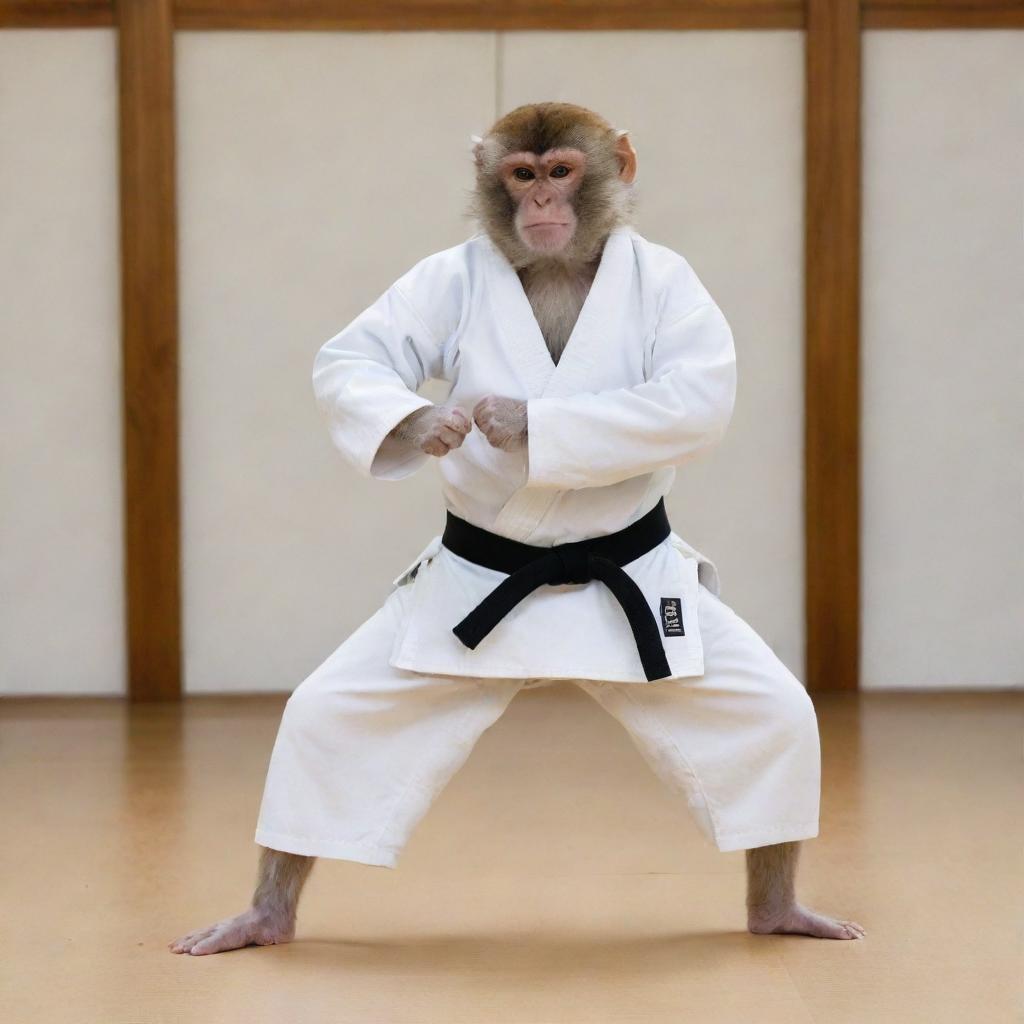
(574, 564)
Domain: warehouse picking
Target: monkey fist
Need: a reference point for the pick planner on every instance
(502, 421)
(434, 429)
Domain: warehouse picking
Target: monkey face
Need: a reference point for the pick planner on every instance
(543, 190)
(552, 180)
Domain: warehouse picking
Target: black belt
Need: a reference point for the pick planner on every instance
(529, 567)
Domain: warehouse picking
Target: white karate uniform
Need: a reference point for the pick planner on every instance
(646, 380)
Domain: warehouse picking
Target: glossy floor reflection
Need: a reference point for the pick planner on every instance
(554, 881)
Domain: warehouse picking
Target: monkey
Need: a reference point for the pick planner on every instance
(553, 181)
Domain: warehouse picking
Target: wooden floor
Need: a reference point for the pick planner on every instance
(554, 881)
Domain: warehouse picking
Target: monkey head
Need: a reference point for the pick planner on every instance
(552, 180)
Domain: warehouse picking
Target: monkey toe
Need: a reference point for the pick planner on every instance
(175, 945)
(798, 920)
(219, 942)
(248, 929)
(189, 943)
(186, 942)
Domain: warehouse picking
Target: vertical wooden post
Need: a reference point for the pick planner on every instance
(832, 352)
(149, 305)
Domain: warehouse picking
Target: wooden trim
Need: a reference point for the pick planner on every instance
(832, 310)
(149, 348)
(408, 15)
(56, 13)
(492, 15)
(943, 14)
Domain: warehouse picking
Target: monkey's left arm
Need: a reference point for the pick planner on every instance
(596, 439)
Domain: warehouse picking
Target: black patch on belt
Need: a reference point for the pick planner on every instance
(672, 616)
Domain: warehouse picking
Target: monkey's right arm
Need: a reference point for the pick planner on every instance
(365, 380)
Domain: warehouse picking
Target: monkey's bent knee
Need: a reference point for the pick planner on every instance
(310, 705)
(793, 710)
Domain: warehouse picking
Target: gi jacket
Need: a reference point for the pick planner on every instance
(646, 381)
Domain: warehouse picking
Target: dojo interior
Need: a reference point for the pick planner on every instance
(194, 197)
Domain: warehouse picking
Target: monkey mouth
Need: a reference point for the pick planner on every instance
(547, 236)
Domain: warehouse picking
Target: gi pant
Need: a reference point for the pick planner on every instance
(364, 749)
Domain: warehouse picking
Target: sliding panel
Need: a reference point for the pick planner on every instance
(943, 353)
(314, 169)
(61, 565)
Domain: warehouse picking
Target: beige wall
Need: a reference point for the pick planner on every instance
(943, 412)
(304, 193)
(61, 604)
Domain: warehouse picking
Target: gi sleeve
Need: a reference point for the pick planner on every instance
(596, 439)
(365, 380)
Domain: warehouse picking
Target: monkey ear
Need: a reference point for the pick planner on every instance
(476, 147)
(626, 155)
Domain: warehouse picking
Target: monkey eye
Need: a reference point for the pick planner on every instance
(561, 171)
(523, 174)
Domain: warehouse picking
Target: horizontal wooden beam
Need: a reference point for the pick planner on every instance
(56, 13)
(410, 15)
(942, 14)
(486, 15)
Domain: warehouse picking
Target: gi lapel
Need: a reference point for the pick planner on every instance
(520, 332)
(593, 331)
(523, 512)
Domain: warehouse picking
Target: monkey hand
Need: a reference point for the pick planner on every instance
(502, 421)
(434, 429)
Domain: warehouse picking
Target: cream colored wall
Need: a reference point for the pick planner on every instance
(61, 603)
(943, 413)
(305, 192)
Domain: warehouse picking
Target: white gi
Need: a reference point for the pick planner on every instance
(646, 380)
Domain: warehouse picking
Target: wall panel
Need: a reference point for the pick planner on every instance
(943, 352)
(61, 590)
(313, 170)
(717, 119)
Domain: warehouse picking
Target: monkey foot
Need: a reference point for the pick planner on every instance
(798, 920)
(253, 928)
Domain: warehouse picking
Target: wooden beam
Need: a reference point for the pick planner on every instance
(482, 15)
(56, 13)
(409, 15)
(943, 14)
(832, 310)
(149, 306)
